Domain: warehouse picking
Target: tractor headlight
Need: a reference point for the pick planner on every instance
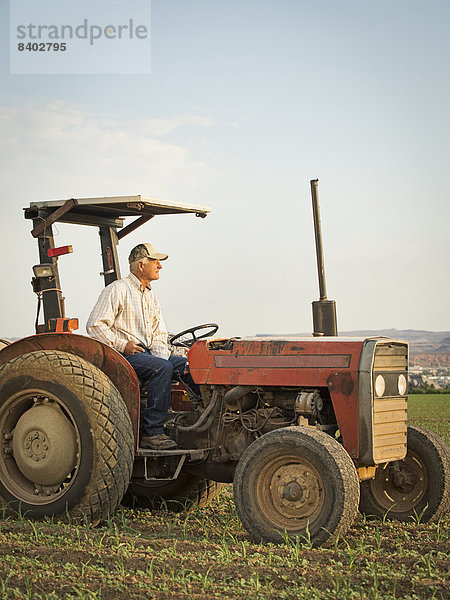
(380, 385)
(45, 270)
(402, 385)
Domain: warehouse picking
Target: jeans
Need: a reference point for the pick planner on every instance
(158, 373)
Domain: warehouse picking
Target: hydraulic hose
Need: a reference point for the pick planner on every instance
(232, 397)
(206, 418)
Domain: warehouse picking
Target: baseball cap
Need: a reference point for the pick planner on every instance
(145, 251)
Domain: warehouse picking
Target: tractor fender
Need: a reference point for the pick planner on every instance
(105, 358)
(4, 342)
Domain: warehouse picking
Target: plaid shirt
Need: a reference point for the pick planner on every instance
(125, 311)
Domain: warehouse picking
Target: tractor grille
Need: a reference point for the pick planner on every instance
(389, 404)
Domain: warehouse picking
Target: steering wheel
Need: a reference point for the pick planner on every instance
(176, 341)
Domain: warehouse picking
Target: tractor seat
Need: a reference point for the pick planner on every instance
(179, 398)
(143, 382)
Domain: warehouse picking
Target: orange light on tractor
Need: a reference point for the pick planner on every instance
(59, 251)
(72, 325)
(62, 325)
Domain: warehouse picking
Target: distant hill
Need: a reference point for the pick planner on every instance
(420, 341)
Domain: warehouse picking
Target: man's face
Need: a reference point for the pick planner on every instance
(150, 269)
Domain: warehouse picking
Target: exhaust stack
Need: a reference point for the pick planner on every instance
(324, 310)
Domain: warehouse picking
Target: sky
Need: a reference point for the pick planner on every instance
(246, 102)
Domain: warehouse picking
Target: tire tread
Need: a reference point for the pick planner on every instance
(330, 452)
(113, 433)
(438, 503)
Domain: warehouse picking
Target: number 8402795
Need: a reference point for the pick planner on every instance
(43, 47)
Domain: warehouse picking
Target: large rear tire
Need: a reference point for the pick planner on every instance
(187, 492)
(296, 481)
(66, 438)
(412, 488)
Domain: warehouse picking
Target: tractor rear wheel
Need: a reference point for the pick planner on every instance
(184, 493)
(66, 443)
(296, 481)
(412, 488)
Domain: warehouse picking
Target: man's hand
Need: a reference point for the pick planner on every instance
(133, 347)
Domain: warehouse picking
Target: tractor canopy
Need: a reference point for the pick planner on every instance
(106, 213)
(108, 210)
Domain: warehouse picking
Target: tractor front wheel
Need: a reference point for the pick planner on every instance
(66, 443)
(296, 482)
(416, 487)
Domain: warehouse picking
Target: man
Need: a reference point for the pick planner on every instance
(127, 316)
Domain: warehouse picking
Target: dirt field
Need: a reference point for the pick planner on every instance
(207, 554)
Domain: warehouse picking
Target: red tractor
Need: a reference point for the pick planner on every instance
(307, 429)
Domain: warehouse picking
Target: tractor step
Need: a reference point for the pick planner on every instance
(182, 455)
(192, 454)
